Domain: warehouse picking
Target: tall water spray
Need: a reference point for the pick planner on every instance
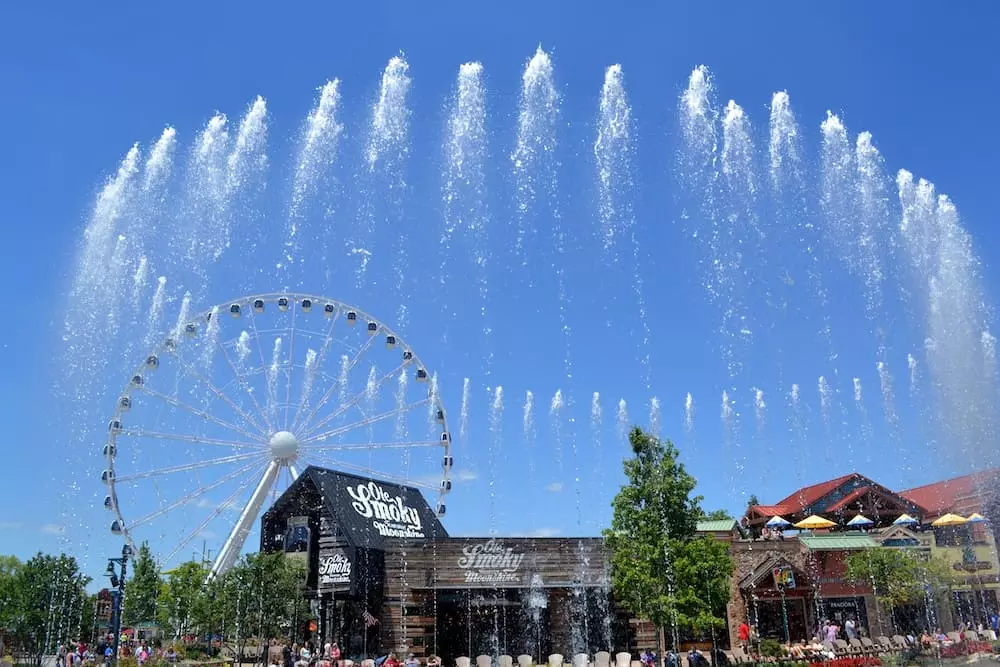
(621, 418)
(613, 154)
(496, 442)
(311, 176)
(385, 238)
(655, 419)
(940, 254)
(689, 413)
(464, 237)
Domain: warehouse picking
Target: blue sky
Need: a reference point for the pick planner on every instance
(80, 85)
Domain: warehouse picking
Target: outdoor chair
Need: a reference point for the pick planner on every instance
(581, 660)
(348, 663)
(900, 642)
(871, 646)
(460, 662)
(857, 647)
(524, 660)
(368, 662)
(971, 636)
(556, 660)
(623, 659)
(602, 659)
(484, 661)
(886, 644)
(635, 663)
(955, 637)
(506, 661)
(843, 648)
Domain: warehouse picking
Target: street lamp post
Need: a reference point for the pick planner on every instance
(118, 581)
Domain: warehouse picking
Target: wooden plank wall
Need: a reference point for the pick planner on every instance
(414, 570)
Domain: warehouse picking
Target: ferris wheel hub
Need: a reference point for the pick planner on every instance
(284, 446)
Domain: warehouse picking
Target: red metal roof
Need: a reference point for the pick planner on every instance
(807, 495)
(961, 494)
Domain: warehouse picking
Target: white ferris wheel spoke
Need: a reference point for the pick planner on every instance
(196, 465)
(214, 514)
(242, 381)
(293, 471)
(371, 445)
(368, 421)
(197, 493)
(304, 399)
(291, 369)
(197, 439)
(199, 413)
(237, 536)
(218, 392)
(405, 481)
(333, 387)
(352, 401)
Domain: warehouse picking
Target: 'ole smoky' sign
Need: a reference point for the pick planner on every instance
(490, 562)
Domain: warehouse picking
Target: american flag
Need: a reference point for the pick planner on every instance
(369, 619)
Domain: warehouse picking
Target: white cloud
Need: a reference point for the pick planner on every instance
(53, 529)
(465, 475)
(545, 532)
(10, 524)
(554, 487)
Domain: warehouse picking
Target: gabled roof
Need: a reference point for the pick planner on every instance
(719, 526)
(959, 494)
(766, 568)
(808, 495)
(834, 496)
(369, 512)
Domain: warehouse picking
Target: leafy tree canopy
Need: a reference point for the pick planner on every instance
(143, 588)
(898, 576)
(37, 589)
(660, 569)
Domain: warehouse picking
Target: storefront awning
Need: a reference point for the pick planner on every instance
(837, 542)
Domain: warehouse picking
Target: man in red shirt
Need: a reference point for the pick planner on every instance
(744, 635)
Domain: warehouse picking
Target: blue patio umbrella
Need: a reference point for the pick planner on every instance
(976, 517)
(777, 522)
(904, 520)
(860, 520)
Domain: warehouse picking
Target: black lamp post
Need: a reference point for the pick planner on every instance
(118, 582)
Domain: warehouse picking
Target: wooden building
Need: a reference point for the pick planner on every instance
(386, 576)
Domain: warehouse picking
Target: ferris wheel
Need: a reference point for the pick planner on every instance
(227, 408)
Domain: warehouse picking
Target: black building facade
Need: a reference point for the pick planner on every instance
(386, 576)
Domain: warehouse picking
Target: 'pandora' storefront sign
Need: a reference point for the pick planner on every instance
(490, 563)
(335, 570)
(390, 515)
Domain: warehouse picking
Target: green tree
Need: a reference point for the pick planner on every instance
(717, 515)
(898, 576)
(9, 565)
(262, 596)
(43, 600)
(182, 599)
(143, 588)
(660, 570)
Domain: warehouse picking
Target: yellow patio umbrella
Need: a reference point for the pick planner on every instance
(949, 520)
(815, 521)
